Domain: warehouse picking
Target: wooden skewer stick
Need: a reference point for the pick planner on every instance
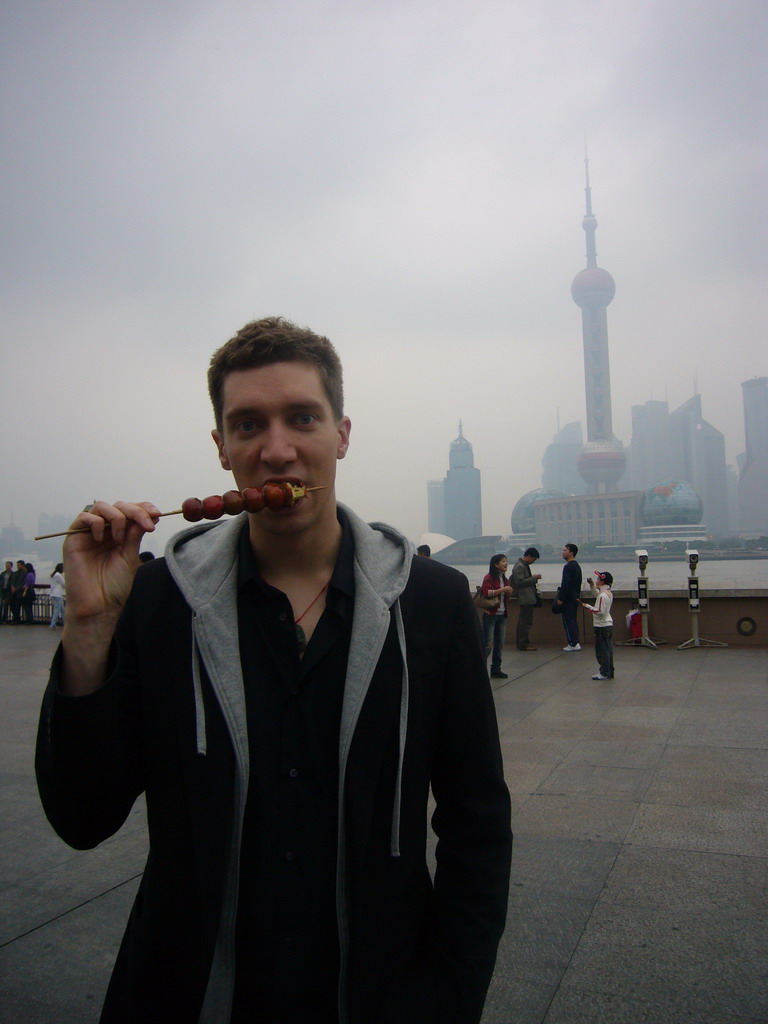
(176, 512)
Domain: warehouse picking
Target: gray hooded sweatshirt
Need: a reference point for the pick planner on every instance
(203, 561)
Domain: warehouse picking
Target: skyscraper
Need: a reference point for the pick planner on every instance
(683, 446)
(650, 458)
(601, 462)
(558, 464)
(698, 456)
(753, 478)
(462, 512)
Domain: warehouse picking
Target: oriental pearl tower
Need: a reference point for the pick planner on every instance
(601, 462)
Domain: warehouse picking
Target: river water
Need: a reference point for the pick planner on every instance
(736, 574)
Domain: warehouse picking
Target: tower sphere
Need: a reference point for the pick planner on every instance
(671, 503)
(601, 462)
(593, 287)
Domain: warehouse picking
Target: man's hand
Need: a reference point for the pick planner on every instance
(99, 567)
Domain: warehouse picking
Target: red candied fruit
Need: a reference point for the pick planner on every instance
(192, 510)
(275, 495)
(253, 499)
(213, 506)
(233, 503)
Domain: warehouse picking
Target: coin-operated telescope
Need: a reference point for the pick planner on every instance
(643, 604)
(694, 604)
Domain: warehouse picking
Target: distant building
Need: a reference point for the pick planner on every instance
(681, 445)
(605, 519)
(650, 449)
(667, 511)
(12, 540)
(523, 520)
(698, 454)
(463, 507)
(558, 465)
(753, 476)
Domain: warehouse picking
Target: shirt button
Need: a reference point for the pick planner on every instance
(282, 616)
(293, 772)
(289, 856)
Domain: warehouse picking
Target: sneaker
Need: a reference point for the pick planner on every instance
(572, 647)
(499, 675)
(598, 676)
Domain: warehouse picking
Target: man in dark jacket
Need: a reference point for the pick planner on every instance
(568, 595)
(17, 589)
(285, 687)
(5, 592)
(524, 583)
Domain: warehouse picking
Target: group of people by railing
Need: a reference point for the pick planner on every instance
(21, 599)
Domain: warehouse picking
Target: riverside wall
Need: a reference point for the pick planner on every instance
(725, 616)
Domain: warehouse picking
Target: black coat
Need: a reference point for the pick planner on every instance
(418, 953)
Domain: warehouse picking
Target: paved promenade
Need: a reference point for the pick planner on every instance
(641, 846)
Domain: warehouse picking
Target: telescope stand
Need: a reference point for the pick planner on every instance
(696, 640)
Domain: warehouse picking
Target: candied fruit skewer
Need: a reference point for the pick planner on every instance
(251, 499)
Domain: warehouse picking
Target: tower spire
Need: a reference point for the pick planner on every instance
(587, 190)
(590, 221)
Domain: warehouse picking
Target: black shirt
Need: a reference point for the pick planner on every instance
(287, 939)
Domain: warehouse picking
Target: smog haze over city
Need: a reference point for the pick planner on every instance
(406, 178)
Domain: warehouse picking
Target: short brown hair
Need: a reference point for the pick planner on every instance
(275, 340)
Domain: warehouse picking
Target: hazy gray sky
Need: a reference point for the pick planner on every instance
(406, 177)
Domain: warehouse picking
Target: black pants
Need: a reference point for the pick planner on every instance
(571, 622)
(524, 623)
(604, 650)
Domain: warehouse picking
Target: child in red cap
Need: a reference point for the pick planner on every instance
(603, 623)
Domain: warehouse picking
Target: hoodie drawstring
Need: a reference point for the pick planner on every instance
(200, 730)
(404, 697)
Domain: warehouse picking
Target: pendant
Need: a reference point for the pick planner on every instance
(301, 637)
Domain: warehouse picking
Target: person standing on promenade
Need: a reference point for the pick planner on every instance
(17, 588)
(496, 587)
(286, 687)
(568, 594)
(57, 596)
(5, 592)
(524, 586)
(28, 596)
(602, 622)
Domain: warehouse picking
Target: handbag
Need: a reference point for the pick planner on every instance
(557, 609)
(489, 604)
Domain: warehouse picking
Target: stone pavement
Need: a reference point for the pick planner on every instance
(641, 846)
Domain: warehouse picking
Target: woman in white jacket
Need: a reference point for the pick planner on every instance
(57, 595)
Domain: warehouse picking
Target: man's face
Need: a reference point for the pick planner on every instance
(21, 565)
(8, 566)
(278, 425)
(530, 559)
(567, 554)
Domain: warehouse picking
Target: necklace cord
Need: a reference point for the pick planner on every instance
(323, 588)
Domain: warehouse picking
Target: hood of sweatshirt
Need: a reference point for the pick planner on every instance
(203, 557)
